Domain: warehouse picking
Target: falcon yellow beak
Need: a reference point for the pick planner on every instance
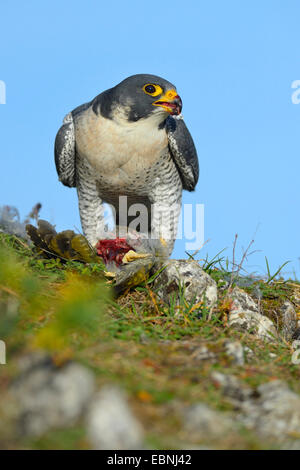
(171, 102)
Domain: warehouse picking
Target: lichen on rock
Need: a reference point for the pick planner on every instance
(187, 276)
(245, 316)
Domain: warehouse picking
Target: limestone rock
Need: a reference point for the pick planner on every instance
(273, 412)
(235, 350)
(289, 320)
(231, 387)
(245, 316)
(110, 422)
(49, 397)
(201, 421)
(188, 275)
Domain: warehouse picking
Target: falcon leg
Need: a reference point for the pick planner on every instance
(166, 208)
(90, 205)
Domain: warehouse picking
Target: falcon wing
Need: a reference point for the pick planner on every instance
(65, 153)
(183, 151)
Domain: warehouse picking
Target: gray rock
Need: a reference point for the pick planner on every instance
(296, 344)
(10, 221)
(296, 354)
(211, 351)
(204, 353)
(255, 323)
(49, 397)
(242, 301)
(235, 350)
(289, 320)
(245, 316)
(110, 422)
(248, 353)
(296, 334)
(188, 275)
(273, 412)
(202, 422)
(231, 387)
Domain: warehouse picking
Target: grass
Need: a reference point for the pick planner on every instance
(148, 347)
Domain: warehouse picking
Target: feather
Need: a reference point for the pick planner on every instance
(183, 152)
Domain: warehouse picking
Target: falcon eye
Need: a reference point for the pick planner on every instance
(151, 89)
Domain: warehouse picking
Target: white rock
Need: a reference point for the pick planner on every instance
(244, 315)
(231, 386)
(255, 323)
(248, 352)
(201, 421)
(273, 412)
(188, 275)
(50, 397)
(289, 320)
(110, 422)
(242, 301)
(296, 344)
(235, 350)
(204, 353)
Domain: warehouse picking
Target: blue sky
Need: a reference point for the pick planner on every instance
(233, 64)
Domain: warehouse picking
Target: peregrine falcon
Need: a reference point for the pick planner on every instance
(129, 141)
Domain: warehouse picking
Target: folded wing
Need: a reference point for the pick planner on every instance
(183, 151)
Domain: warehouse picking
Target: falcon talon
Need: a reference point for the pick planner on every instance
(109, 274)
(133, 256)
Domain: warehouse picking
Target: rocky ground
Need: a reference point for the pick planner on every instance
(194, 358)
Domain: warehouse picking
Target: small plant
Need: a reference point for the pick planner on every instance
(270, 276)
(209, 266)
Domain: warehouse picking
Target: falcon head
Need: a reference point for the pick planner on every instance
(138, 97)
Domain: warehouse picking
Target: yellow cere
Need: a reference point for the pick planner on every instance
(170, 95)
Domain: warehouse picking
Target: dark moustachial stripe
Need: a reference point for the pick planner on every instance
(102, 104)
